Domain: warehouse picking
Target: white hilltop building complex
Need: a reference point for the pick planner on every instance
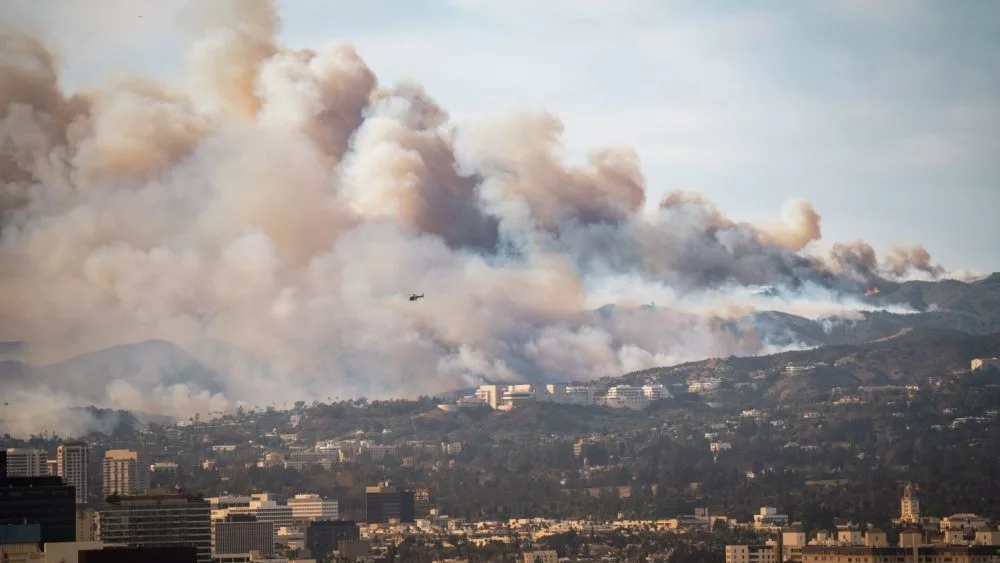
(506, 397)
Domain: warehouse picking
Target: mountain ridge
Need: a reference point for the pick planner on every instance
(959, 320)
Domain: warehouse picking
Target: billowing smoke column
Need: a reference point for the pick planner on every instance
(272, 221)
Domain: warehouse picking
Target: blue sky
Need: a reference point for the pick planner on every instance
(886, 115)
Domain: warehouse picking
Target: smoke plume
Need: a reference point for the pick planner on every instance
(271, 217)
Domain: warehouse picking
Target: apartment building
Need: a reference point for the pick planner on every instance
(26, 462)
(73, 465)
(124, 473)
(767, 553)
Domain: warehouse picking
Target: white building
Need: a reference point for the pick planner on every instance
(751, 554)
(73, 465)
(769, 519)
(517, 395)
(579, 395)
(264, 510)
(271, 460)
(124, 473)
(490, 394)
(163, 467)
(549, 556)
(626, 396)
(377, 451)
(313, 507)
(556, 392)
(506, 397)
(229, 501)
(964, 521)
(794, 368)
(708, 384)
(716, 447)
(326, 458)
(470, 402)
(655, 392)
(26, 462)
(850, 535)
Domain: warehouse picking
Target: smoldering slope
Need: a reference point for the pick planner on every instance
(272, 217)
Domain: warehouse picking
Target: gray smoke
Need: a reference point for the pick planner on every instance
(272, 218)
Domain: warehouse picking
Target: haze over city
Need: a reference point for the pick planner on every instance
(263, 185)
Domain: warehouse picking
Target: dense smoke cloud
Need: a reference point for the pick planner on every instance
(272, 218)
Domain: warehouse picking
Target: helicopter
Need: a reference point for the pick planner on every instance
(415, 296)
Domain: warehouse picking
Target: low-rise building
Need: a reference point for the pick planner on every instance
(549, 556)
(311, 507)
(767, 553)
(964, 521)
(769, 519)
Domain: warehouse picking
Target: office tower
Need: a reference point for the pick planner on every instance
(239, 534)
(386, 503)
(73, 466)
(323, 537)
(422, 502)
(313, 507)
(124, 473)
(158, 520)
(265, 507)
(45, 501)
(25, 462)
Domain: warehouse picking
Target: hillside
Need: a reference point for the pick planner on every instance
(143, 364)
(979, 298)
(11, 350)
(908, 357)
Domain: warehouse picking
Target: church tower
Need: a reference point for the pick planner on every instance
(910, 504)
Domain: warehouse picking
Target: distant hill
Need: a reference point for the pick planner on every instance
(11, 350)
(977, 298)
(143, 364)
(970, 307)
(909, 356)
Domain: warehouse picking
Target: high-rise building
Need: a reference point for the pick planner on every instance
(312, 507)
(909, 510)
(26, 462)
(45, 501)
(239, 534)
(124, 473)
(158, 519)
(73, 460)
(422, 502)
(52, 468)
(386, 503)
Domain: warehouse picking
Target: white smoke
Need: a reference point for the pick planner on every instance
(271, 215)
